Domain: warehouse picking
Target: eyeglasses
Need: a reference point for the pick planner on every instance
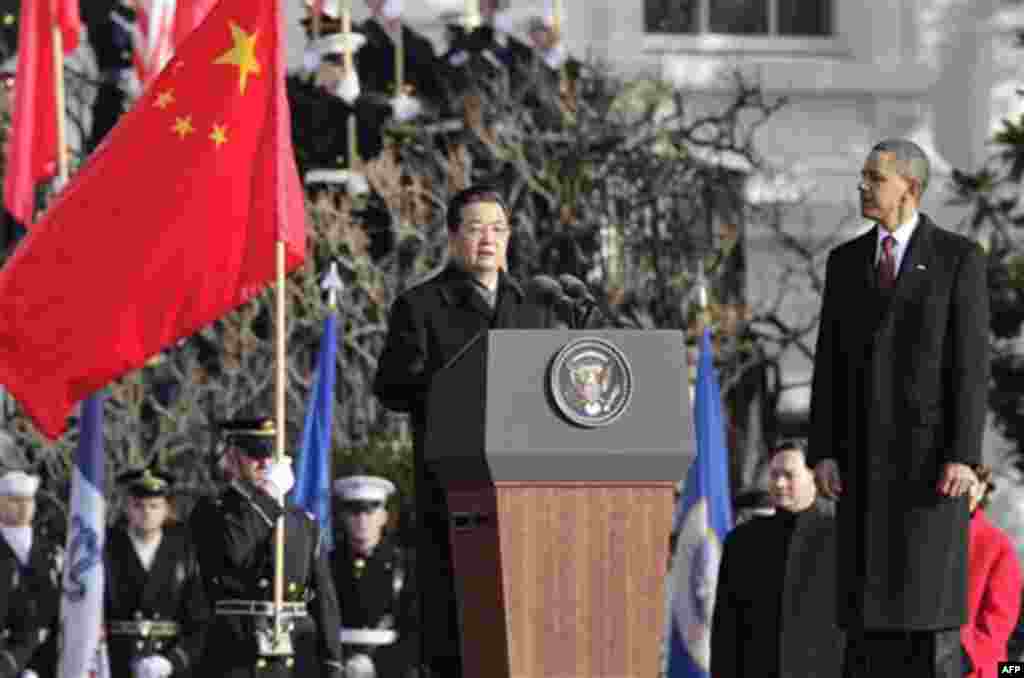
(500, 229)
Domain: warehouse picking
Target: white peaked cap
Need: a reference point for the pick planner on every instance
(18, 484)
(363, 488)
(336, 43)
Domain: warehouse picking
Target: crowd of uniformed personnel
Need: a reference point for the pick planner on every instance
(196, 597)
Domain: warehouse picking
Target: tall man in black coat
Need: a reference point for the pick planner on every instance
(234, 535)
(897, 418)
(775, 613)
(429, 325)
(155, 607)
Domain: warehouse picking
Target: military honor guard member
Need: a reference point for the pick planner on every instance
(30, 570)
(235, 537)
(156, 609)
(374, 580)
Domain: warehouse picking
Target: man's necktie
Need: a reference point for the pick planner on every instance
(887, 264)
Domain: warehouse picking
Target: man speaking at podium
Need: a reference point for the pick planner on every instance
(430, 325)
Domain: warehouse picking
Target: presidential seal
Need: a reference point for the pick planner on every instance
(591, 382)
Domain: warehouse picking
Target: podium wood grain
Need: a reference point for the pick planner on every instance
(562, 579)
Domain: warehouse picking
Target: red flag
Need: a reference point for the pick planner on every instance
(171, 223)
(32, 145)
(188, 15)
(65, 13)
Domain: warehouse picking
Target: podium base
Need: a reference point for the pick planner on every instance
(561, 579)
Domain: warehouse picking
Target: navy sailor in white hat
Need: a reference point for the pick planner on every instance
(29, 582)
(373, 578)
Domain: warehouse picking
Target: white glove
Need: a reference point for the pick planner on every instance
(360, 666)
(28, 673)
(356, 184)
(279, 478)
(348, 87)
(406, 107)
(153, 666)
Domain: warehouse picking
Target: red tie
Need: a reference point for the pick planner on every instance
(887, 264)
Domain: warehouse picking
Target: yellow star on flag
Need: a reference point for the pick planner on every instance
(219, 135)
(164, 99)
(242, 54)
(183, 126)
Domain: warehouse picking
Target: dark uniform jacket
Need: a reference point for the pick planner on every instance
(29, 606)
(429, 324)
(113, 47)
(899, 389)
(234, 535)
(774, 613)
(375, 63)
(319, 125)
(379, 593)
(171, 591)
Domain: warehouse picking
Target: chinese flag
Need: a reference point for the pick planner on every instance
(171, 223)
(32, 146)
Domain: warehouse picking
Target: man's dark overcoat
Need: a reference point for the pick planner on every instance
(171, 591)
(428, 326)
(899, 389)
(774, 611)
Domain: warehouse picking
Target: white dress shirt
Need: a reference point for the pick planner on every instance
(20, 540)
(146, 551)
(902, 235)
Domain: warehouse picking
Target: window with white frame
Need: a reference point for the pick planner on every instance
(769, 18)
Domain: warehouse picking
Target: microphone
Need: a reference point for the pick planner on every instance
(580, 294)
(546, 291)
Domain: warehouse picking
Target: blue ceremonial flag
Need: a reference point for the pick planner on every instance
(704, 517)
(313, 479)
(83, 649)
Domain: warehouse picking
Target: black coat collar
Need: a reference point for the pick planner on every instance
(458, 289)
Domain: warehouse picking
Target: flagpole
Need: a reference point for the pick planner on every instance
(279, 455)
(58, 73)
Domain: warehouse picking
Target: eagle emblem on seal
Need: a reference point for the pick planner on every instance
(591, 382)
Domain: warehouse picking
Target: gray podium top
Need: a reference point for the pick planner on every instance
(494, 415)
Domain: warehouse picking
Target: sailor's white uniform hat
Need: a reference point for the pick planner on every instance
(18, 484)
(364, 489)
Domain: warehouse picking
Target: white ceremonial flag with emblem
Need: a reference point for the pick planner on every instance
(83, 652)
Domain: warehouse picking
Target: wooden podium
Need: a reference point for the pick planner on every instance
(559, 511)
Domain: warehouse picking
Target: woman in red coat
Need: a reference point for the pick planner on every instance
(993, 586)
